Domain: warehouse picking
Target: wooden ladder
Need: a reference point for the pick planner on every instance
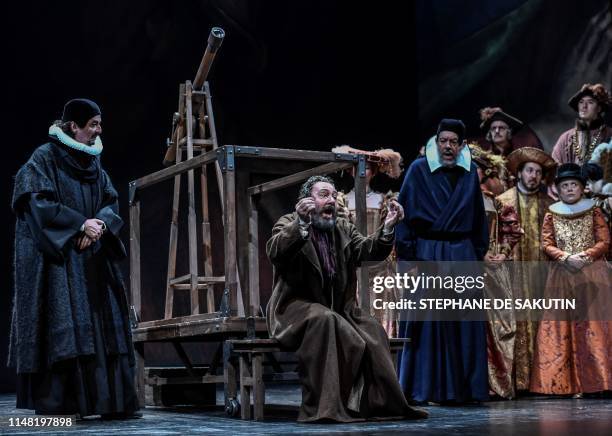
(193, 132)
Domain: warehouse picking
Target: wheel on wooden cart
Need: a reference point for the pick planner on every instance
(232, 407)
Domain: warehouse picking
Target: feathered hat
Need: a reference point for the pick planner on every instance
(385, 160)
(490, 114)
(597, 91)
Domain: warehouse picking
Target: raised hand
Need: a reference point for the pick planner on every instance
(304, 208)
(394, 215)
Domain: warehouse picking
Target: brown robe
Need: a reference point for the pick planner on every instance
(573, 357)
(346, 369)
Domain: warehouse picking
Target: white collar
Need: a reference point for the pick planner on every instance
(523, 191)
(564, 209)
(59, 134)
(464, 158)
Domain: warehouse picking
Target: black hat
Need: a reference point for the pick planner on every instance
(592, 171)
(80, 110)
(597, 91)
(451, 125)
(569, 171)
(488, 115)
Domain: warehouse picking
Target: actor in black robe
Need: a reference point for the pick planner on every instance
(70, 334)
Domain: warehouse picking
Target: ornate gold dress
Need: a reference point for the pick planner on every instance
(573, 356)
(531, 208)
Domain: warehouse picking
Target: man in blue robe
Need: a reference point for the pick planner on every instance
(446, 361)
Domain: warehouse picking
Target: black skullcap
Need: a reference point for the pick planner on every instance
(451, 125)
(80, 110)
(569, 171)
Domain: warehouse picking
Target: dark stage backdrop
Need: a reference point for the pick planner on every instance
(306, 74)
(299, 74)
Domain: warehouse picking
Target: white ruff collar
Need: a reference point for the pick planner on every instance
(464, 158)
(569, 210)
(59, 134)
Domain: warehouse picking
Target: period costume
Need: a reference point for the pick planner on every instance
(346, 369)
(444, 221)
(601, 190)
(504, 233)
(531, 208)
(70, 335)
(573, 357)
(387, 162)
(490, 114)
(576, 145)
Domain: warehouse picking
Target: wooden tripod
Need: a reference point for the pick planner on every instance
(187, 121)
(194, 132)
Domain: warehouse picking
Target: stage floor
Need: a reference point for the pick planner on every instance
(534, 415)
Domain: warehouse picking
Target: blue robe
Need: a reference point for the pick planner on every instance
(446, 360)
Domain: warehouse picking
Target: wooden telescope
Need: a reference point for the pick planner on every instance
(193, 132)
(178, 128)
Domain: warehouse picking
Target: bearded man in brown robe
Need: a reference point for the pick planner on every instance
(346, 369)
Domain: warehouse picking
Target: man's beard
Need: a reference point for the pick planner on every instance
(324, 224)
(529, 189)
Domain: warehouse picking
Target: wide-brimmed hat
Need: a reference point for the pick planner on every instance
(385, 160)
(529, 154)
(569, 171)
(490, 114)
(491, 164)
(597, 91)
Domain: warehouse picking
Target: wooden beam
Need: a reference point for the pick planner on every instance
(173, 243)
(292, 179)
(253, 259)
(187, 286)
(135, 283)
(195, 142)
(168, 173)
(161, 381)
(362, 226)
(191, 217)
(289, 154)
(229, 229)
(205, 279)
(135, 295)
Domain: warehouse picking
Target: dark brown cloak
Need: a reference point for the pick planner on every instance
(345, 364)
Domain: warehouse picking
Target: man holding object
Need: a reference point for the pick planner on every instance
(346, 369)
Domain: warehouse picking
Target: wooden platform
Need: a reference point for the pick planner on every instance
(241, 198)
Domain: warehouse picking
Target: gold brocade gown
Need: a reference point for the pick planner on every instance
(501, 328)
(527, 277)
(574, 357)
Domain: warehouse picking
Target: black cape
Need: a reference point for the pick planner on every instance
(68, 304)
